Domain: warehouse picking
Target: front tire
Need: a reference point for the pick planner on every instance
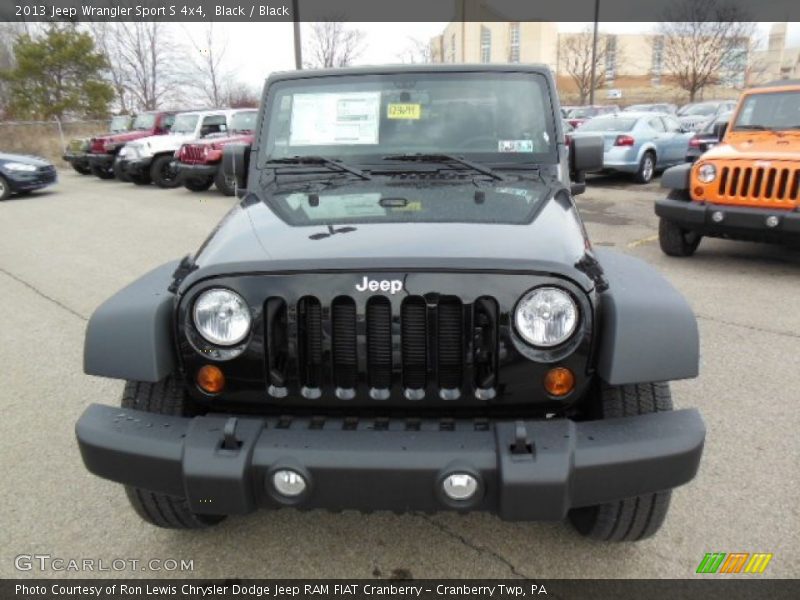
(119, 173)
(102, 172)
(166, 397)
(5, 188)
(647, 168)
(676, 241)
(163, 173)
(224, 185)
(198, 184)
(631, 519)
(82, 169)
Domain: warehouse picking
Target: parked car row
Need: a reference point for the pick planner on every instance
(166, 148)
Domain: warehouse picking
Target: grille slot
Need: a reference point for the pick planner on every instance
(309, 337)
(484, 343)
(413, 323)
(450, 341)
(277, 342)
(379, 343)
(344, 345)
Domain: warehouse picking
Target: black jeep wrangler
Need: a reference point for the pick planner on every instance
(402, 313)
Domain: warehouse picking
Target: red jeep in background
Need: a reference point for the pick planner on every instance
(199, 161)
(103, 149)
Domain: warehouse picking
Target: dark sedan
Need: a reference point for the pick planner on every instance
(20, 174)
(708, 137)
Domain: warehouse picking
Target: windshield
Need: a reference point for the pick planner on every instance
(144, 122)
(244, 121)
(491, 117)
(184, 124)
(775, 110)
(120, 123)
(608, 124)
(700, 109)
(579, 113)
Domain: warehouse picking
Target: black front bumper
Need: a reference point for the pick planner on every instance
(135, 166)
(76, 158)
(102, 161)
(738, 222)
(189, 171)
(393, 465)
(28, 181)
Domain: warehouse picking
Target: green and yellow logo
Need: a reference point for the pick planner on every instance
(735, 562)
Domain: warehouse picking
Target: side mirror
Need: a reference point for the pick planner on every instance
(235, 163)
(720, 129)
(585, 155)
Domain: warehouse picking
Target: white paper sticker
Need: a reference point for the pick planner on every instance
(335, 119)
(515, 146)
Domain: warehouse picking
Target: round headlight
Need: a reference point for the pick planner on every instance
(222, 317)
(546, 317)
(707, 173)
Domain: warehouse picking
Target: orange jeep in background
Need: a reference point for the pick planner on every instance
(745, 188)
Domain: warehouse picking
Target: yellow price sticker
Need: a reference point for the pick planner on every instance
(403, 111)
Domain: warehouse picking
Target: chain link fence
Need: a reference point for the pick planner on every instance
(46, 138)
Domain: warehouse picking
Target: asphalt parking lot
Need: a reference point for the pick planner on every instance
(64, 251)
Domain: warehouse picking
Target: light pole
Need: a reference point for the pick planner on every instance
(594, 52)
(298, 48)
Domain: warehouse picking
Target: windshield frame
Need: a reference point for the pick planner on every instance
(148, 118)
(187, 116)
(373, 154)
(125, 120)
(234, 129)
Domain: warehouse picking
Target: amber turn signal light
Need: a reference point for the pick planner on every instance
(210, 379)
(559, 381)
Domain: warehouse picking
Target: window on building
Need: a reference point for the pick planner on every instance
(657, 60)
(452, 52)
(486, 44)
(611, 59)
(513, 40)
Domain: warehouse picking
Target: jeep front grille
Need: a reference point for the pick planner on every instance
(426, 347)
(761, 184)
(192, 154)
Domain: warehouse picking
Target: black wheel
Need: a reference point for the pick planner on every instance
(82, 169)
(647, 168)
(198, 184)
(635, 518)
(5, 188)
(166, 397)
(140, 179)
(119, 173)
(224, 184)
(676, 241)
(102, 172)
(163, 172)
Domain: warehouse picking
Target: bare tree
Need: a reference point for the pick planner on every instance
(705, 43)
(105, 38)
(575, 56)
(416, 52)
(209, 76)
(333, 44)
(240, 95)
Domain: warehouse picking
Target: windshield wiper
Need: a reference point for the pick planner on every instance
(447, 158)
(319, 160)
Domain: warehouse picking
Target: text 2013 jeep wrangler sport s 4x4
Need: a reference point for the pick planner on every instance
(403, 313)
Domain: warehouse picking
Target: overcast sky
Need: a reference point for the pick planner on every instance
(254, 50)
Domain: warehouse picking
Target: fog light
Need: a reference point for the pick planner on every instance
(210, 379)
(289, 483)
(717, 216)
(772, 221)
(460, 486)
(559, 381)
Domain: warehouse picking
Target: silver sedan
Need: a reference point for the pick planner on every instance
(638, 143)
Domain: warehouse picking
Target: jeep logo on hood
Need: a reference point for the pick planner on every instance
(384, 285)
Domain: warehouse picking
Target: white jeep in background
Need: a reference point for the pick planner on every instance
(152, 159)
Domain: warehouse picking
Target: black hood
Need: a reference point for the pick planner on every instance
(25, 159)
(255, 237)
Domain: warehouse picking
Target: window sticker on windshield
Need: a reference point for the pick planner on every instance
(403, 111)
(515, 146)
(335, 119)
(335, 206)
(522, 193)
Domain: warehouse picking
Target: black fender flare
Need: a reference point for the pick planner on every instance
(648, 331)
(129, 336)
(677, 177)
